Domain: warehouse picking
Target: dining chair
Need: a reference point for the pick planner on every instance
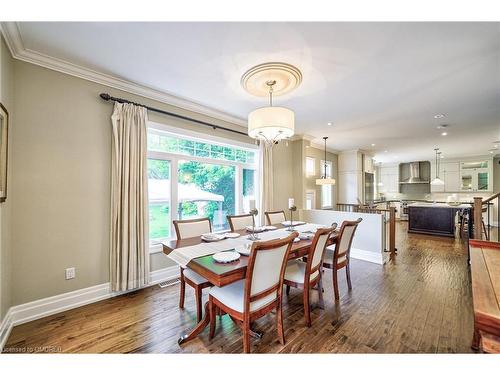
(259, 293)
(307, 274)
(187, 229)
(238, 222)
(341, 254)
(275, 217)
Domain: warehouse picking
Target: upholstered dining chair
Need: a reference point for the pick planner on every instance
(259, 293)
(275, 217)
(341, 254)
(305, 275)
(186, 229)
(238, 222)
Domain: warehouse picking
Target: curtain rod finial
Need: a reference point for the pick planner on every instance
(105, 96)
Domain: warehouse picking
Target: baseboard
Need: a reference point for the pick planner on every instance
(5, 328)
(368, 256)
(30, 311)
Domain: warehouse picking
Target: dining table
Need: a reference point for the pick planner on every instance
(221, 274)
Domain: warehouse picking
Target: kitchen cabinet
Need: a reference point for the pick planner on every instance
(389, 177)
(476, 176)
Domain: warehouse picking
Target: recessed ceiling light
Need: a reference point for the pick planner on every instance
(439, 116)
(373, 144)
(496, 146)
(329, 124)
(444, 133)
(385, 150)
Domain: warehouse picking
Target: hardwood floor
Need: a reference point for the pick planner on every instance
(421, 303)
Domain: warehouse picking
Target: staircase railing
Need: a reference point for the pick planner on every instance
(484, 205)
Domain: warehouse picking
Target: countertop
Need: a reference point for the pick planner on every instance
(438, 205)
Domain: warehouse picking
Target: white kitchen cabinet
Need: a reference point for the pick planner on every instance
(476, 176)
(452, 181)
(389, 177)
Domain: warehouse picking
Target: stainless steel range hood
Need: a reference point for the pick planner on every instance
(417, 172)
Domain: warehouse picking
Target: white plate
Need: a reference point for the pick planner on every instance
(212, 237)
(287, 223)
(305, 236)
(244, 249)
(226, 256)
(296, 239)
(270, 227)
(256, 229)
(231, 235)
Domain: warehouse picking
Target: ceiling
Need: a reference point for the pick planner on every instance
(378, 83)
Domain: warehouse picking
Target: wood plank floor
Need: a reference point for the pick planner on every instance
(421, 303)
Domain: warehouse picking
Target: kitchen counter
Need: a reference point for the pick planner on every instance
(435, 219)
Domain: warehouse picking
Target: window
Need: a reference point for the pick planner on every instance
(310, 200)
(310, 166)
(326, 190)
(191, 177)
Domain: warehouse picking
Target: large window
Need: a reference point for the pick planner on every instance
(191, 177)
(326, 190)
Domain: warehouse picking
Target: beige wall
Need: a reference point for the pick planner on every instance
(282, 175)
(319, 155)
(7, 99)
(61, 181)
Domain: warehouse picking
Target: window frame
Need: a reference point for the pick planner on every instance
(329, 169)
(155, 245)
(310, 173)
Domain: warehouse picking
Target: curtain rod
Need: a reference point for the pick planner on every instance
(108, 97)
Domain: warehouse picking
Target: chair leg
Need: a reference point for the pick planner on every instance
(279, 318)
(183, 290)
(288, 290)
(246, 337)
(307, 307)
(335, 284)
(198, 304)
(348, 276)
(213, 313)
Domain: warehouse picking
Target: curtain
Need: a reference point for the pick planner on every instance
(129, 253)
(266, 180)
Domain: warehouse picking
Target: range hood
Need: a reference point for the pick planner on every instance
(417, 172)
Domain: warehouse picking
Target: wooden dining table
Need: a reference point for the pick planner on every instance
(221, 274)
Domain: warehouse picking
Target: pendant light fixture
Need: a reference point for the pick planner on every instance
(325, 180)
(437, 181)
(271, 124)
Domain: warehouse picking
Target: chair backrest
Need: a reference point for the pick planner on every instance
(346, 235)
(237, 222)
(265, 271)
(275, 217)
(317, 253)
(192, 228)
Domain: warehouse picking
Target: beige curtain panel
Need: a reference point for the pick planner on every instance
(129, 257)
(266, 178)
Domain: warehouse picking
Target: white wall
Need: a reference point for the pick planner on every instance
(368, 243)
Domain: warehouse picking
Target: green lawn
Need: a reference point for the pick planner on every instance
(159, 221)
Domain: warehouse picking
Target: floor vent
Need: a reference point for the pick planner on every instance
(164, 284)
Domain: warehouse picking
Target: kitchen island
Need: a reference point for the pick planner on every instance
(433, 218)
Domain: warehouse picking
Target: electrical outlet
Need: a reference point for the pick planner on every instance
(70, 273)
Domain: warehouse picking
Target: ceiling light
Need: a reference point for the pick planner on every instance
(385, 150)
(437, 181)
(373, 144)
(496, 146)
(325, 180)
(439, 116)
(329, 124)
(491, 152)
(271, 124)
(444, 133)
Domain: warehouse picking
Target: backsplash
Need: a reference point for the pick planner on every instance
(462, 197)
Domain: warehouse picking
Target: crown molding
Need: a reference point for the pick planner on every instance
(321, 146)
(13, 38)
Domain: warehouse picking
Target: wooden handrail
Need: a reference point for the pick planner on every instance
(494, 196)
